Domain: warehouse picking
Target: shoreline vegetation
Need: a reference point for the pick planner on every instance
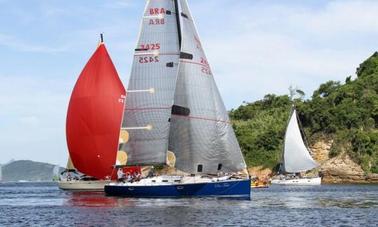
(340, 121)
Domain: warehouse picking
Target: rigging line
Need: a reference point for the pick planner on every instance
(203, 118)
(301, 129)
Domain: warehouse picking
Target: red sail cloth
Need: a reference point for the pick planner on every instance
(94, 116)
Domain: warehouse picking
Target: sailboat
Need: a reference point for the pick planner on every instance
(296, 157)
(93, 124)
(73, 180)
(184, 121)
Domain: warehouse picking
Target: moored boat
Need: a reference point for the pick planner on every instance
(257, 183)
(296, 157)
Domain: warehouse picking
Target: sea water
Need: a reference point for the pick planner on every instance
(43, 204)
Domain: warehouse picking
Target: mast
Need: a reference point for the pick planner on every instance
(177, 10)
(102, 38)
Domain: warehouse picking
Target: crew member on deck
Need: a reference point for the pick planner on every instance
(120, 174)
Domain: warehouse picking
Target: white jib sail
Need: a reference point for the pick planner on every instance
(296, 155)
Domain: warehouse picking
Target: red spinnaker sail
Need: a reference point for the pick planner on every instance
(94, 116)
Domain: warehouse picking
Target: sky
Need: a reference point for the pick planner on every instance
(254, 47)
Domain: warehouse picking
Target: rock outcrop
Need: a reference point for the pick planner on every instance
(339, 169)
(342, 169)
(320, 150)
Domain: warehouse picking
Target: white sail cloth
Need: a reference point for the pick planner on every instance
(201, 136)
(197, 128)
(155, 66)
(296, 155)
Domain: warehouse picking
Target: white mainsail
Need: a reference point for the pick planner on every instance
(201, 134)
(170, 59)
(296, 155)
(154, 67)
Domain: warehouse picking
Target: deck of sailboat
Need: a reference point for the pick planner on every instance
(173, 180)
(303, 181)
(80, 185)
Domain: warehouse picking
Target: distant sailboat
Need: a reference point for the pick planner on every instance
(296, 157)
(72, 179)
(184, 115)
(93, 123)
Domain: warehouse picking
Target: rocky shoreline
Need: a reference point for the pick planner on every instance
(337, 170)
(341, 169)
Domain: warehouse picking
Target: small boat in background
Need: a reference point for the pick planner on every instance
(258, 183)
(296, 157)
(72, 179)
(93, 124)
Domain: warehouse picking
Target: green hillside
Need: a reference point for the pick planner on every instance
(345, 112)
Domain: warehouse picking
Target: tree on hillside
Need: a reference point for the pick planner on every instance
(346, 113)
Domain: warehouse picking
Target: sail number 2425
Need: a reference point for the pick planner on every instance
(148, 59)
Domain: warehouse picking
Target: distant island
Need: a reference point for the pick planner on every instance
(25, 170)
(340, 121)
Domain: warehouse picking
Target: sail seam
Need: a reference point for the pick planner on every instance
(141, 54)
(195, 63)
(152, 108)
(203, 118)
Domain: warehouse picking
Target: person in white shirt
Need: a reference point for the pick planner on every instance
(120, 174)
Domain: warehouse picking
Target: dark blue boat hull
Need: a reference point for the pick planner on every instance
(231, 189)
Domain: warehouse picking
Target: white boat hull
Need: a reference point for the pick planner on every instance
(298, 181)
(78, 185)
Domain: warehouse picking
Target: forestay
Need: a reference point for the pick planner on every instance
(154, 67)
(201, 134)
(296, 155)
